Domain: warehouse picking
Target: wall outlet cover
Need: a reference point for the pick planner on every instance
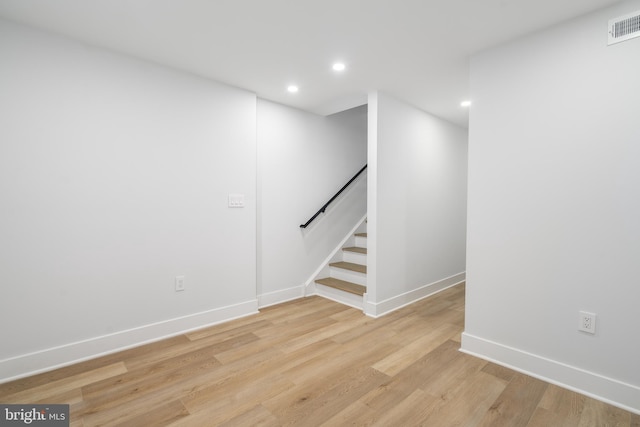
(179, 283)
(587, 322)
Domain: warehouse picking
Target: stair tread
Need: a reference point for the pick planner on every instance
(361, 234)
(350, 266)
(343, 285)
(356, 249)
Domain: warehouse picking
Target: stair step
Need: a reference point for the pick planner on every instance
(356, 249)
(361, 240)
(350, 266)
(343, 285)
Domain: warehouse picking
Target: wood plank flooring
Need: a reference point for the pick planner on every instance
(313, 362)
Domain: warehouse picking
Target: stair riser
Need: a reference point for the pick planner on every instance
(349, 276)
(361, 242)
(343, 297)
(354, 257)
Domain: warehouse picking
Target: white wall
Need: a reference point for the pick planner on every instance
(304, 159)
(554, 207)
(417, 216)
(114, 176)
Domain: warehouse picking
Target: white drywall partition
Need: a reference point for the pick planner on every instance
(114, 179)
(417, 232)
(554, 203)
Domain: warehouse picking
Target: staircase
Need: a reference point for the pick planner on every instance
(345, 280)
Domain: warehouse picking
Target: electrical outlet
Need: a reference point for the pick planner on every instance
(587, 322)
(179, 283)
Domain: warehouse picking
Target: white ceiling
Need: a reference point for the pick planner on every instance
(415, 50)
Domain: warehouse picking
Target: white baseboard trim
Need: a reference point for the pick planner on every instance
(52, 358)
(609, 390)
(278, 297)
(309, 289)
(367, 306)
(379, 309)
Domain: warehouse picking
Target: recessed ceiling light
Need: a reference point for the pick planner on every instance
(292, 89)
(338, 66)
(465, 104)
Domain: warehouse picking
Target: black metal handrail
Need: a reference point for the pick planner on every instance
(323, 208)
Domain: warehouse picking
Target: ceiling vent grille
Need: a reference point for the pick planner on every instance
(624, 28)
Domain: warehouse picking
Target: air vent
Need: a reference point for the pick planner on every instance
(624, 28)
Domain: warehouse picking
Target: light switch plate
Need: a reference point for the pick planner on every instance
(236, 200)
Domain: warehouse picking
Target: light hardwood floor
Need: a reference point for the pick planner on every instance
(313, 362)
